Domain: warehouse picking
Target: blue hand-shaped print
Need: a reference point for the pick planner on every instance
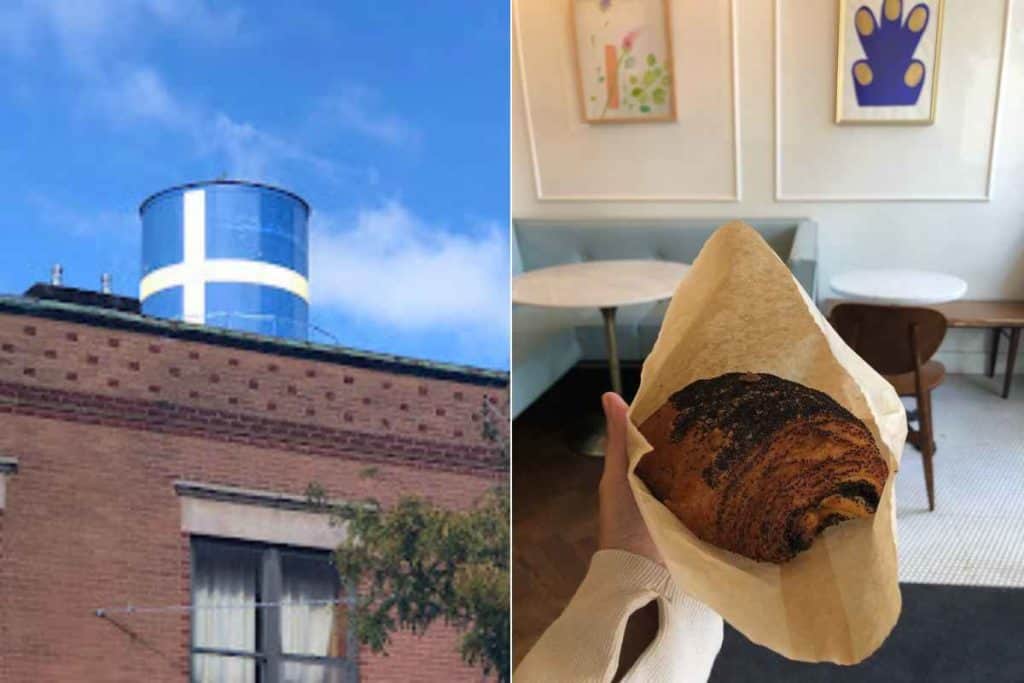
(890, 76)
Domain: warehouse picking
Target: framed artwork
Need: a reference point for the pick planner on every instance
(888, 61)
(624, 60)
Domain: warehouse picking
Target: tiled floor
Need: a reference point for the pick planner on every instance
(975, 536)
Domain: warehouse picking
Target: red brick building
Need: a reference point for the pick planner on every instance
(160, 465)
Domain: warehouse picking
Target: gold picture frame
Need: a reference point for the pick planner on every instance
(879, 113)
(636, 104)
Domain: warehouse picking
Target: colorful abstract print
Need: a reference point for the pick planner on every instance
(890, 76)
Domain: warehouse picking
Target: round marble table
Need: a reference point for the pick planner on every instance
(898, 287)
(605, 285)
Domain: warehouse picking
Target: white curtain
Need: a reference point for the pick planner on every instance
(309, 629)
(295, 672)
(225, 579)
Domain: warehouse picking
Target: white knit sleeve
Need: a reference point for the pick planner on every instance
(583, 644)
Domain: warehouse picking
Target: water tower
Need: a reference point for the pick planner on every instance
(228, 254)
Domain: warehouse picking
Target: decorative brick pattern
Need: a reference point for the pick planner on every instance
(181, 367)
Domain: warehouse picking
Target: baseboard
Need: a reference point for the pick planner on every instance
(975, 363)
(966, 352)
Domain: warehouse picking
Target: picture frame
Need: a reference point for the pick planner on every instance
(624, 60)
(887, 61)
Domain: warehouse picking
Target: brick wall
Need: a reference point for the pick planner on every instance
(5, 634)
(103, 422)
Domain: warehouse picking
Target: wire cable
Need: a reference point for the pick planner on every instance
(133, 609)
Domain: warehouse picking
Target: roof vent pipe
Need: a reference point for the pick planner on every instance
(105, 282)
(56, 275)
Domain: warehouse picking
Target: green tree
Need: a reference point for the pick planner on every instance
(417, 562)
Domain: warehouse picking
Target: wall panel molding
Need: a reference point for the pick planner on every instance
(782, 196)
(737, 193)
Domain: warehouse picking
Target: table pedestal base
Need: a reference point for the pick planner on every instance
(586, 436)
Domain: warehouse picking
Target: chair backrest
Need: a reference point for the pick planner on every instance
(886, 336)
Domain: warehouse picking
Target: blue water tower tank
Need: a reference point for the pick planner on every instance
(227, 253)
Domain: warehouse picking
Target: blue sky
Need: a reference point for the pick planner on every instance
(390, 118)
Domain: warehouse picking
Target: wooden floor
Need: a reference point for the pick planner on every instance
(554, 503)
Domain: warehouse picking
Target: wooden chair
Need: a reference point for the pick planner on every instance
(898, 342)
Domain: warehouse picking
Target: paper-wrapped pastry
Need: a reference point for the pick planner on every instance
(754, 432)
(759, 465)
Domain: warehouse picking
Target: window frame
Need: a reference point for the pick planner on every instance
(268, 655)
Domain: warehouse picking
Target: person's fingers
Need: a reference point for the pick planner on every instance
(615, 460)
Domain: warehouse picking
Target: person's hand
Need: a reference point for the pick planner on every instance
(620, 526)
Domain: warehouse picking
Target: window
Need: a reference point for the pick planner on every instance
(265, 613)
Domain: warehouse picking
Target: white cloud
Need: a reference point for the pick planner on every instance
(17, 31)
(391, 267)
(252, 153)
(213, 21)
(359, 109)
(139, 94)
(123, 225)
(101, 42)
(90, 33)
(95, 37)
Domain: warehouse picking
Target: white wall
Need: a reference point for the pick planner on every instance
(882, 195)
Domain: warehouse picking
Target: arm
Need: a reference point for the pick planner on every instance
(626, 573)
(583, 644)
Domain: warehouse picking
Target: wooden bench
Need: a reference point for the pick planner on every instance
(1004, 318)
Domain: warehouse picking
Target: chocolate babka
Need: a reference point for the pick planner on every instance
(760, 465)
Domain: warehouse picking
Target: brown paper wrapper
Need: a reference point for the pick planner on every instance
(739, 309)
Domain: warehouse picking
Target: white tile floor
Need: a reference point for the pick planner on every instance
(975, 536)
